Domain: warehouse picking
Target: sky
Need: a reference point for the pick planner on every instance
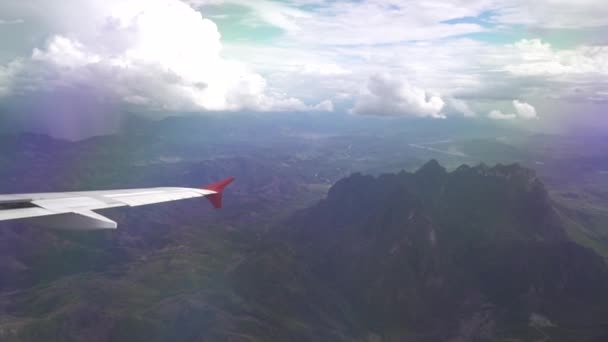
(70, 67)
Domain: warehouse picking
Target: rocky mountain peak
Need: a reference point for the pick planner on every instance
(411, 252)
(432, 167)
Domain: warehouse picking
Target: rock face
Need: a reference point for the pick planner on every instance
(477, 253)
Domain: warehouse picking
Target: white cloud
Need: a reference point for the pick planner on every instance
(540, 13)
(324, 69)
(7, 73)
(330, 22)
(498, 115)
(551, 13)
(370, 23)
(278, 14)
(461, 107)
(534, 57)
(524, 110)
(147, 56)
(64, 52)
(159, 53)
(362, 22)
(325, 106)
(385, 96)
(457, 69)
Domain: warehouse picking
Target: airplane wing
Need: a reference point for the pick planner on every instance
(76, 210)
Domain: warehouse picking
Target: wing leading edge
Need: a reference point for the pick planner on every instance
(75, 210)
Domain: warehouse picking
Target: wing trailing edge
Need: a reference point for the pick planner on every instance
(78, 220)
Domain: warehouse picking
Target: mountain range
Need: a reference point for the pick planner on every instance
(476, 254)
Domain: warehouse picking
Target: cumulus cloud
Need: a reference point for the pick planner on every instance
(461, 107)
(386, 96)
(8, 74)
(324, 106)
(162, 53)
(156, 54)
(523, 110)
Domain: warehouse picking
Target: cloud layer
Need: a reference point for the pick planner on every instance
(158, 53)
(433, 59)
(161, 55)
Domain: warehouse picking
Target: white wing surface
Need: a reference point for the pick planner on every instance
(75, 210)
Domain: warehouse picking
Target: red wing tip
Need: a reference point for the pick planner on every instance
(218, 187)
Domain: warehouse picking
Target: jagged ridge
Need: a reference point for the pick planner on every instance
(476, 253)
